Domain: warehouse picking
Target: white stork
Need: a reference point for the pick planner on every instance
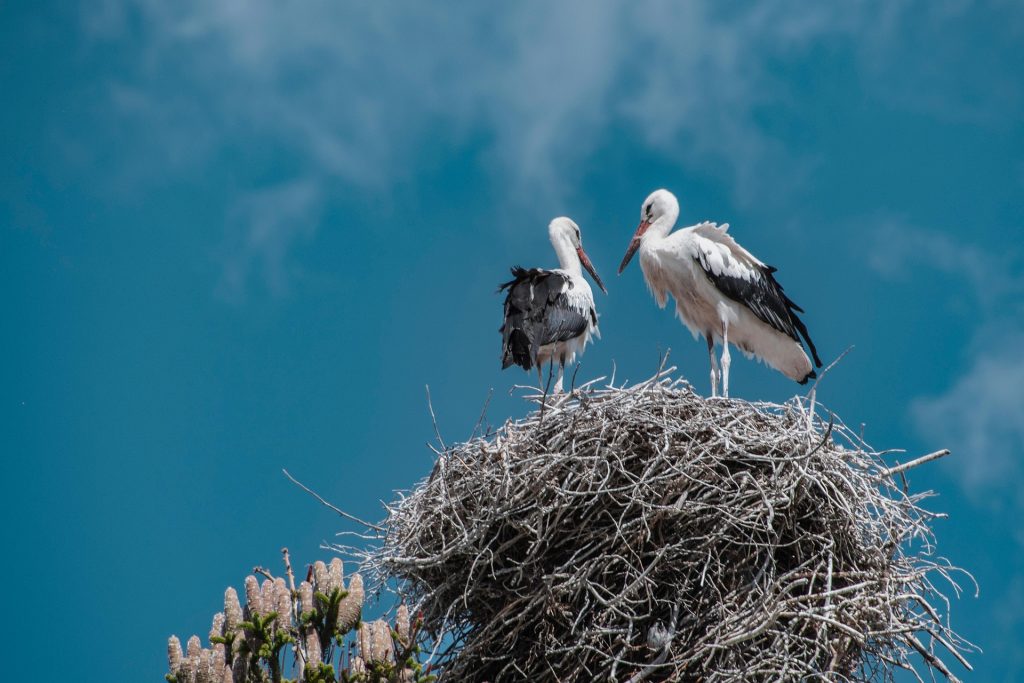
(550, 314)
(721, 291)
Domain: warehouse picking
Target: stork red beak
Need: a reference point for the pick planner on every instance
(585, 260)
(634, 244)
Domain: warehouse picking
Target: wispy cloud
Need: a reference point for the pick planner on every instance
(995, 281)
(355, 90)
(981, 414)
(263, 227)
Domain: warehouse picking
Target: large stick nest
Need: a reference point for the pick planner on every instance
(648, 533)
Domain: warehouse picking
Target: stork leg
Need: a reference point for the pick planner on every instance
(561, 371)
(726, 359)
(540, 376)
(714, 364)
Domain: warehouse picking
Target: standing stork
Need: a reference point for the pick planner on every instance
(550, 314)
(721, 291)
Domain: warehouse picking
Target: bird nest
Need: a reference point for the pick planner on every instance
(647, 533)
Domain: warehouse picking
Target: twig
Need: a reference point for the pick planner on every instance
(341, 512)
(547, 387)
(262, 572)
(821, 375)
(288, 570)
(433, 420)
(650, 668)
(915, 462)
(483, 414)
(932, 659)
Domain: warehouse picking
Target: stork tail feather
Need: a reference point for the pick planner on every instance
(517, 347)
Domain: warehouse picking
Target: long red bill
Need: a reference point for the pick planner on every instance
(634, 244)
(585, 260)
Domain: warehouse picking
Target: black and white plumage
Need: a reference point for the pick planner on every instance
(721, 291)
(550, 314)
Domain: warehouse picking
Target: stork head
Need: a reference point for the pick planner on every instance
(564, 230)
(661, 208)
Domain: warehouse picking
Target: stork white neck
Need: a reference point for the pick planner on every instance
(561, 240)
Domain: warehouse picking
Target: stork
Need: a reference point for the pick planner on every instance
(721, 291)
(550, 314)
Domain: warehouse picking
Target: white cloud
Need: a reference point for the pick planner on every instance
(262, 229)
(355, 87)
(993, 280)
(981, 417)
(355, 90)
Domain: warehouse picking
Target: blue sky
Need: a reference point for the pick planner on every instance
(241, 237)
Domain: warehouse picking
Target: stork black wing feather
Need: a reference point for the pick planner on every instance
(765, 298)
(537, 313)
(562, 322)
